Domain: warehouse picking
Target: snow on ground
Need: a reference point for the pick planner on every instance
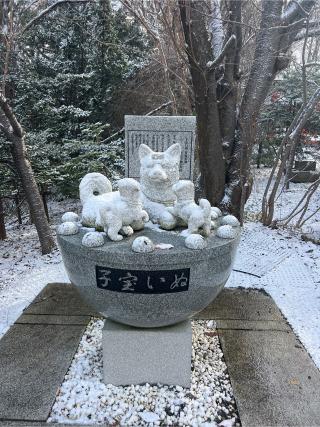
(84, 398)
(23, 271)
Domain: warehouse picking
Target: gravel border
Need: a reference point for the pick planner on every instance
(83, 398)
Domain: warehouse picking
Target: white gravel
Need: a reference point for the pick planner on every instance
(83, 398)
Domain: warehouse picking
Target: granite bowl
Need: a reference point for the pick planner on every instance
(153, 289)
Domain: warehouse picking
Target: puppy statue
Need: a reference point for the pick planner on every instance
(122, 208)
(185, 209)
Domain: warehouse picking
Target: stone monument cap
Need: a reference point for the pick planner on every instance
(159, 133)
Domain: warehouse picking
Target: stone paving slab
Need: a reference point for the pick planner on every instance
(52, 319)
(243, 304)
(36, 353)
(33, 362)
(60, 299)
(274, 380)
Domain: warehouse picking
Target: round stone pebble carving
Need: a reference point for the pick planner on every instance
(226, 232)
(195, 241)
(67, 228)
(230, 220)
(215, 211)
(93, 239)
(143, 244)
(70, 217)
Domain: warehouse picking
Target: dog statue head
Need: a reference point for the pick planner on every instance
(129, 190)
(159, 172)
(184, 190)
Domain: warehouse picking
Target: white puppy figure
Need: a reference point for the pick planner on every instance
(94, 189)
(185, 208)
(122, 208)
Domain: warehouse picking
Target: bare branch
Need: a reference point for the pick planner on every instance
(215, 28)
(297, 9)
(230, 42)
(313, 32)
(119, 132)
(48, 10)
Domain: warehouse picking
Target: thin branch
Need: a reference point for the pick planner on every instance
(119, 132)
(296, 8)
(313, 32)
(48, 10)
(230, 42)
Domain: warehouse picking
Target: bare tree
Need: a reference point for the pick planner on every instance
(227, 116)
(11, 127)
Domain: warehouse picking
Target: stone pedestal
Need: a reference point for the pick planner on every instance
(147, 355)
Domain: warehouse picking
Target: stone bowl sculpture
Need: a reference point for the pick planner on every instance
(151, 289)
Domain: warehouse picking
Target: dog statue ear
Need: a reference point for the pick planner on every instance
(174, 152)
(144, 150)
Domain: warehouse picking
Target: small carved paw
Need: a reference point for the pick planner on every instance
(127, 230)
(116, 238)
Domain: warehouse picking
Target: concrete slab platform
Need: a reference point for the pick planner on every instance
(36, 353)
(275, 382)
(33, 362)
(242, 304)
(61, 299)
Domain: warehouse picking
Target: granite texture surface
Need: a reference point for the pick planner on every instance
(153, 355)
(159, 133)
(208, 270)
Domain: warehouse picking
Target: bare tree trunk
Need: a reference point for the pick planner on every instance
(212, 163)
(45, 204)
(3, 234)
(18, 209)
(32, 193)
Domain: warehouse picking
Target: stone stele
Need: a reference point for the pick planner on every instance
(159, 133)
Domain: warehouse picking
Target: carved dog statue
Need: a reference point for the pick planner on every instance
(158, 173)
(185, 208)
(122, 208)
(94, 188)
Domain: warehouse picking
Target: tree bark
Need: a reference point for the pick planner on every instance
(212, 163)
(3, 233)
(32, 193)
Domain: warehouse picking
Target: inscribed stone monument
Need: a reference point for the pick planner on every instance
(159, 133)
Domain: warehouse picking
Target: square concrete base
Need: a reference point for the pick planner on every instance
(147, 355)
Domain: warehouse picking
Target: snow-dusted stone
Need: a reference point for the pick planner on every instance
(215, 211)
(226, 232)
(195, 241)
(94, 189)
(142, 244)
(149, 417)
(311, 232)
(185, 208)
(93, 239)
(70, 217)
(230, 220)
(158, 173)
(67, 228)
